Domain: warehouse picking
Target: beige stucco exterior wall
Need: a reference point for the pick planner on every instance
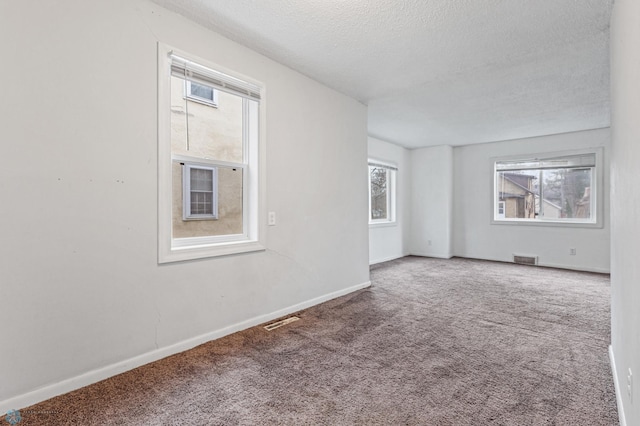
(215, 133)
(229, 206)
(511, 207)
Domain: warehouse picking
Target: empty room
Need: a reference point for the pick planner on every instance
(320, 212)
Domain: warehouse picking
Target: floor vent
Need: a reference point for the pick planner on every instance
(280, 323)
(525, 260)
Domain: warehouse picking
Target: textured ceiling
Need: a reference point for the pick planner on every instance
(437, 72)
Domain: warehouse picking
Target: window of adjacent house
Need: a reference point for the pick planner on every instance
(381, 193)
(200, 192)
(208, 160)
(201, 93)
(561, 189)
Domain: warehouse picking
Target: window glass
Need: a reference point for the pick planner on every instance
(213, 133)
(227, 201)
(213, 136)
(379, 193)
(209, 135)
(536, 190)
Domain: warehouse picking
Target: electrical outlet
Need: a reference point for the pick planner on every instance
(271, 219)
(572, 251)
(630, 385)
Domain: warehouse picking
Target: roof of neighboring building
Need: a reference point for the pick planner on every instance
(551, 204)
(520, 179)
(515, 177)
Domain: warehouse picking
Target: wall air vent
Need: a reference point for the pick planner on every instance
(280, 323)
(525, 260)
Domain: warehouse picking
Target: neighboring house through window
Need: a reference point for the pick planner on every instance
(561, 189)
(381, 192)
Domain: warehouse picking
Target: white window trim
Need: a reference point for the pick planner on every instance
(597, 196)
(392, 171)
(195, 98)
(254, 207)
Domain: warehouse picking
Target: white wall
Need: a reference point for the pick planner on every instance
(389, 241)
(83, 296)
(476, 237)
(625, 206)
(432, 196)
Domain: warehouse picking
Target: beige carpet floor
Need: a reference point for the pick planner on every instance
(432, 342)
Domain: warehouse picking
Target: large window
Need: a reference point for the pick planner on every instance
(209, 192)
(550, 189)
(381, 192)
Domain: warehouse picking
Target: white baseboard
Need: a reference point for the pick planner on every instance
(436, 255)
(616, 384)
(386, 259)
(582, 268)
(94, 376)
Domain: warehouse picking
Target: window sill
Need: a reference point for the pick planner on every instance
(193, 252)
(202, 101)
(549, 223)
(382, 224)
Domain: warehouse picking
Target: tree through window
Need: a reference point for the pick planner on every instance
(381, 193)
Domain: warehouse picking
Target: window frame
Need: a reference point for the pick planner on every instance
(253, 168)
(596, 196)
(391, 171)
